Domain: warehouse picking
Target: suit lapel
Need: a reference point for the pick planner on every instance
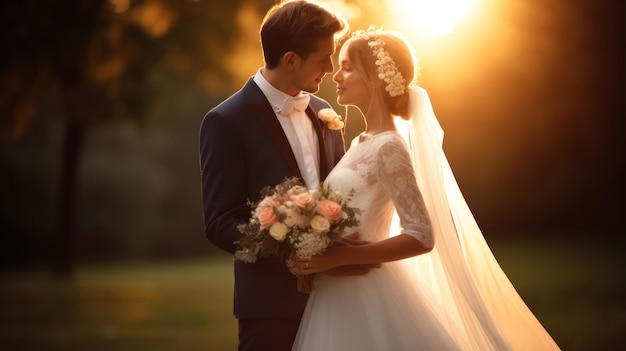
(266, 116)
(317, 125)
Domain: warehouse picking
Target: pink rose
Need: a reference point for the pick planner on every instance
(329, 209)
(303, 200)
(267, 217)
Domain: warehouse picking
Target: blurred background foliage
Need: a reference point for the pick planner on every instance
(100, 104)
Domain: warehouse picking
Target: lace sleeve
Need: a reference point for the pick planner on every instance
(395, 173)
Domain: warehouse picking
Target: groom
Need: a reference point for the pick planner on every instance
(265, 132)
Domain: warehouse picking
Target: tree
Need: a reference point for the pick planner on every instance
(89, 62)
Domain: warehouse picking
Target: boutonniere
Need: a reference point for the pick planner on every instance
(331, 118)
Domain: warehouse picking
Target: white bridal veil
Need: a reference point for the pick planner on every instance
(480, 303)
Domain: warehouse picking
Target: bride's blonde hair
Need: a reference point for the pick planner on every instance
(361, 54)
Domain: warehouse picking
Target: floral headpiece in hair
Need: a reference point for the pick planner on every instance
(388, 70)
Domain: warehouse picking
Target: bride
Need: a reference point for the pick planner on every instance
(439, 287)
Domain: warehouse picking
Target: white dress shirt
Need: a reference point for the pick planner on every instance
(299, 131)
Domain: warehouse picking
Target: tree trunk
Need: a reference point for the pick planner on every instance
(64, 256)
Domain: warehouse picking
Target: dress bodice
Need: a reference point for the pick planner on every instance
(379, 174)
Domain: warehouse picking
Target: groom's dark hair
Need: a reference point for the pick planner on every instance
(297, 26)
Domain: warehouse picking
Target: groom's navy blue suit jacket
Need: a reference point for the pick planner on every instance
(242, 149)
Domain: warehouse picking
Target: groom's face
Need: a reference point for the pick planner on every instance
(309, 72)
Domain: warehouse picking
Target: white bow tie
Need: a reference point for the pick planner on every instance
(296, 103)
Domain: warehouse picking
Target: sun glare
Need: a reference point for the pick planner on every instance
(433, 18)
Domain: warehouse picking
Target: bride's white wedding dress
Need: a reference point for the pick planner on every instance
(455, 297)
(388, 308)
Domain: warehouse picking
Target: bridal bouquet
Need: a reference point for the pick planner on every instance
(291, 219)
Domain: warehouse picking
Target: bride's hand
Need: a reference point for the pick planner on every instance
(325, 264)
(301, 266)
(349, 240)
(330, 262)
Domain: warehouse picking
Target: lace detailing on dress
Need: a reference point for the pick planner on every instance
(396, 175)
(379, 171)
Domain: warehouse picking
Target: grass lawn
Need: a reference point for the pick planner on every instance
(577, 293)
(152, 306)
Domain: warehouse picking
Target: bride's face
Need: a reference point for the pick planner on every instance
(352, 86)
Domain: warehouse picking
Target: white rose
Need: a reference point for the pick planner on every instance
(279, 231)
(320, 224)
(332, 119)
(335, 125)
